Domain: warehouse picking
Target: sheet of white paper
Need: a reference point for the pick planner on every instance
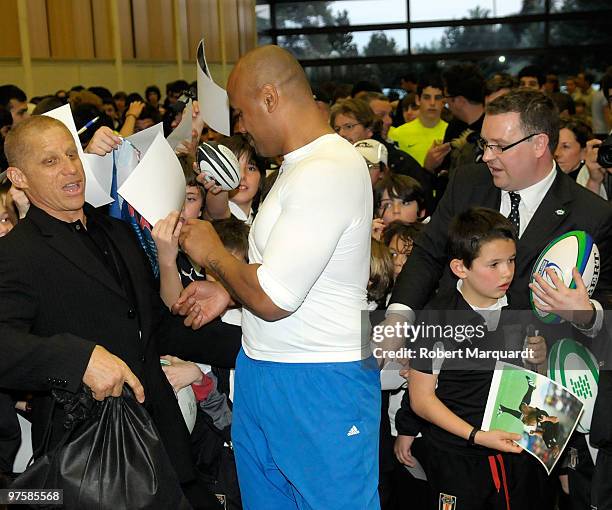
(182, 132)
(212, 99)
(157, 184)
(24, 454)
(143, 139)
(102, 169)
(95, 193)
(417, 471)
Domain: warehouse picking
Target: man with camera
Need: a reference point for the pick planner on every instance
(599, 154)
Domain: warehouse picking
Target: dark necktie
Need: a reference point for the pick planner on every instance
(514, 216)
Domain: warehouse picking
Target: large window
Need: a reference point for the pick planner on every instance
(380, 39)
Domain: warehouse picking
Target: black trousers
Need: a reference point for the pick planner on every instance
(10, 433)
(601, 491)
(479, 482)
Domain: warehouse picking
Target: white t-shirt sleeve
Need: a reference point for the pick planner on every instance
(315, 213)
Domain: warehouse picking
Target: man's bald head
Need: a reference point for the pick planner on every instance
(16, 144)
(270, 94)
(270, 65)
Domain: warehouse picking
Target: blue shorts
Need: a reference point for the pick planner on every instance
(305, 435)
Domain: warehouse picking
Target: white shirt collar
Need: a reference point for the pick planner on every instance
(501, 302)
(532, 196)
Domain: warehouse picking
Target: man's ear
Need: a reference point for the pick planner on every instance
(17, 177)
(458, 268)
(270, 97)
(540, 144)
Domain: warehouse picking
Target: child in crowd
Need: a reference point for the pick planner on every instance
(397, 198)
(242, 202)
(464, 465)
(381, 276)
(176, 270)
(400, 237)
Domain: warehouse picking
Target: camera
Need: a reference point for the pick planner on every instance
(604, 154)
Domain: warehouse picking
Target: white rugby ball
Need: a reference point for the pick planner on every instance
(574, 366)
(217, 162)
(573, 249)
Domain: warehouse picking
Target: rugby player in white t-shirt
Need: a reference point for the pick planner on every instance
(307, 391)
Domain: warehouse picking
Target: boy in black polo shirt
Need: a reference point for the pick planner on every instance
(464, 465)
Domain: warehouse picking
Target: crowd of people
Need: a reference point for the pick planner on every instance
(349, 200)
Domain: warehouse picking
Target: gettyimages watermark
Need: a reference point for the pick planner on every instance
(469, 340)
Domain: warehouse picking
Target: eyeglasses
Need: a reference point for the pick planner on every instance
(498, 149)
(346, 127)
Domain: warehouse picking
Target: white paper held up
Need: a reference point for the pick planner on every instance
(182, 132)
(212, 99)
(157, 185)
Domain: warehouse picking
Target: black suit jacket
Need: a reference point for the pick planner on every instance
(567, 206)
(58, 301)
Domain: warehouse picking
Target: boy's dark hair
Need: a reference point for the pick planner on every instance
(186, 161)
(120, 95)
(8, 92)
(471, 229)
(409, 101)
(582, 131)
(407, 232)
(133, 96)
(150, 112)
(234, 235)
(606, 84)
(465, 80)
(365, 85)
(432, 81)
(102, 92)
(155, 89)
(498, 82)
(538, 112)
(176, 87)
(47, 104)
(534, 71)
(403, 187)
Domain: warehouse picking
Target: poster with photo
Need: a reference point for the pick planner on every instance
(543, 412)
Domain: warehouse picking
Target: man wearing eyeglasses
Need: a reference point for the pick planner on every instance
(520, 179)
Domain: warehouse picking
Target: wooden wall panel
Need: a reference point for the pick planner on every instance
(202, 23)
(184, 29)
(153, 29)
(126, 29)
(102, 28)
(247, 27)
(9, 29)
(70, 29)
(232, 33)
(38, 26)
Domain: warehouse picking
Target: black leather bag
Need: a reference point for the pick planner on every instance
(111, 457)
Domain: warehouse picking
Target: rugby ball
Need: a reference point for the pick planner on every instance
(572, 365)
(573, 249)
(219, 163)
